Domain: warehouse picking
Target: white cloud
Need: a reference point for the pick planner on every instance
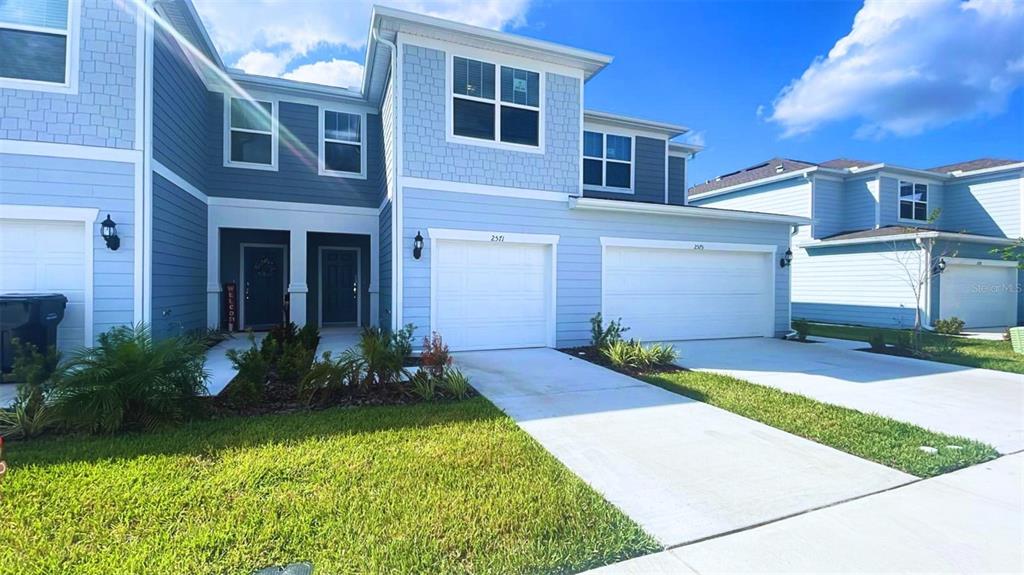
(343, 73)
(266, 36)
(906, 67)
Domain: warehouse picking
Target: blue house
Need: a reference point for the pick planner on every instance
(887, 242)
(463, 188)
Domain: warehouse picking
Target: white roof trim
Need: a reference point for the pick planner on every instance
(906, 237)
(755, 183)
(629, 122)
(982, 171)
(682, 211)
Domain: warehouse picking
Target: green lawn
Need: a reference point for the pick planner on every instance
(982, 353)
(873, 437)
(437, 488)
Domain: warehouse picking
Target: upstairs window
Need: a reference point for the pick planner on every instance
(499, 106)
(37, 47)
(252, 134)
(913, 201)
(607, 161)
(341, 141)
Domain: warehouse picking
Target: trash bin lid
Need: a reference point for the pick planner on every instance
(30, 296)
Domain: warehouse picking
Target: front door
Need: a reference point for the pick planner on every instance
(263, 269)
(339, 286)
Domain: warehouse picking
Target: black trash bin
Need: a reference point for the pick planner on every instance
(31, 318)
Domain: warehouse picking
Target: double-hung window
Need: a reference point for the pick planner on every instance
(913, 201)
(252, 134)
(607, 161)
(499, 104)
(341, 144)
(38, 44)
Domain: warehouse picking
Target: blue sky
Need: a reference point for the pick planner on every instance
(911, 83)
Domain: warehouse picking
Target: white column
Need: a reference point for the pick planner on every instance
(213, 276)
(297, 287)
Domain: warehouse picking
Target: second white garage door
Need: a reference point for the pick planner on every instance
(983, 293)
(492, 294)
(670, 291)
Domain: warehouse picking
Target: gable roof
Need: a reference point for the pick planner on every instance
(971, 165)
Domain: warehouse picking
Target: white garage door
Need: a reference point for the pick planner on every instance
(44, 256)
(492, 294)
(981, 295)
(688, 293)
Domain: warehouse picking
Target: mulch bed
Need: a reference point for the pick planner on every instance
(591, 354)
(218, 407)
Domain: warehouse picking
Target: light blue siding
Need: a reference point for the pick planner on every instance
(889, 197)
(859, 204)
(428, 154)
(827, 207)
(649, 179)
(579, 247)
(296, 179)
(179, 112)
(789, 197)
(179, 260)
(676, 180)
(102, 113)
(106, 186)
(986, 205)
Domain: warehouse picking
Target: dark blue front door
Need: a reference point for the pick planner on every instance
(263, 286)
(339, 286)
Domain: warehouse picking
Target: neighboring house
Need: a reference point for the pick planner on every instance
(871, 222)
(463, 188)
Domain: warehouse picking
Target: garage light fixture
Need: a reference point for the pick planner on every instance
(108, 229)
(417, 245)
(939, 267)
(787, 259)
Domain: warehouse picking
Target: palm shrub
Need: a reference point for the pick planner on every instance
(424, 385)
(635, 356)
(328, 379)
(253, 368)
(35, 373)
(455, 383)
(130, 381)
(378, 359)
(602, 335)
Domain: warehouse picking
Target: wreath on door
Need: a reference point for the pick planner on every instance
(265, 267)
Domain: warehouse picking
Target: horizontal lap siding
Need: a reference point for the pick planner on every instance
(106, 186)
(859, 204)
(579, 248)
(385, 265)
(179, 260)
(988, 206)
(179, 112)
(677, 180)
(828, 207)
(789, 197)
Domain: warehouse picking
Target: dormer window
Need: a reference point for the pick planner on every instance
(913, 202)
(607, 161)
(498, 104)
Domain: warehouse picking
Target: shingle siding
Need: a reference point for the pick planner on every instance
(428, 154)
(102, 113)
(179, 260)
(179, 112)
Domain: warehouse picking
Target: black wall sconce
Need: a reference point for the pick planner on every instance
(108, 229)
(417, 246)
(787, 259)
(939, 267)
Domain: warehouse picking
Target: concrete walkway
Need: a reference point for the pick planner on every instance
(975, 403)
(968, 521)
(682, 469)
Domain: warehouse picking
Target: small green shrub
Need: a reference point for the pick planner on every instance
(379, 358)
(802, 328)
(424, 385)
(327, 379)
(435, 358)
(253, 367)
(601, 335)
(634, 355)
(904, 342)
(402, 340)
(877, 340)
(456, 383)
(130, 381)
(36, 374)
(949, 326)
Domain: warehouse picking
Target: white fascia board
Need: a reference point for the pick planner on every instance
(683, 150)
(887, 169)
(984, 171)
(303, 91)
(682, 211)
(292, 206)
(908, 237)
(662, 129)
(761, 182)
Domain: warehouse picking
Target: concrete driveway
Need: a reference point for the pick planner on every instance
(682, 469)
(975, 403)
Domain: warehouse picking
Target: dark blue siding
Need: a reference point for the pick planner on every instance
(676, 180)
(179, 112)
(649, 180)
(296, 179)
(179, 260)
(384, 276)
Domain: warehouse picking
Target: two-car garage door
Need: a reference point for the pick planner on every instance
(498, 291)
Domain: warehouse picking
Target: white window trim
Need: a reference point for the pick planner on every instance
(228, 162)
(322, 152)
(450, 94)
(926, 202)
(604, 160)
(71, 55)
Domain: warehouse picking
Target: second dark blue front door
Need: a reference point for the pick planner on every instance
(339, 286)
(263, 286)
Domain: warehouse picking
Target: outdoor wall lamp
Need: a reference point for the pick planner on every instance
(939, 267)
(108, 229)
(417, 246)
(787, 259)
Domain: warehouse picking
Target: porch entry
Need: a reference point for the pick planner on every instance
(264, 285)
(340, 294)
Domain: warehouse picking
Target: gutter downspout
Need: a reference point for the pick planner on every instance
(792, 332)
(396, 231)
